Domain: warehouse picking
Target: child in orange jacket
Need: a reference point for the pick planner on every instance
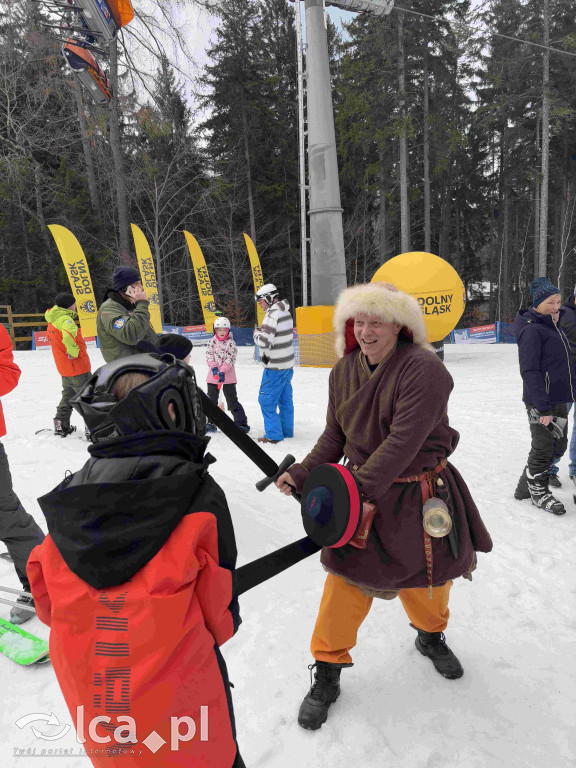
(70, 356)
(135, 577)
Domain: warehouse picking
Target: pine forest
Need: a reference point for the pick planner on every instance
(456, 135)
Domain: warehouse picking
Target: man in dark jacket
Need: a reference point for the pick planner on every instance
(547, 374)
(18, 529)
(387, 415)
(124, 318)
(135, 578)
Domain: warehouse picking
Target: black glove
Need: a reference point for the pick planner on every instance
(221, 376)
(265, 359)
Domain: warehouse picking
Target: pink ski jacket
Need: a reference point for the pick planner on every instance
(221, 354)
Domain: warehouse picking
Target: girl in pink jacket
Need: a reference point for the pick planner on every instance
(220, 356)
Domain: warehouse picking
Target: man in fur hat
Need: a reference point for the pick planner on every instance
(124, 318)
(388, 396)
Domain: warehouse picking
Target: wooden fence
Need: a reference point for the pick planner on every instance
(7, 317)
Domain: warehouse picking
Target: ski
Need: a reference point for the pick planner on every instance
(22, 647)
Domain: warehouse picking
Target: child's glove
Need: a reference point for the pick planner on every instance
(221, 377)
(215, 372)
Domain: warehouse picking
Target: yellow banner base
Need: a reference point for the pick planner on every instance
(316, 336)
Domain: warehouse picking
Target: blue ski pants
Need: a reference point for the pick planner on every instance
(275, 399)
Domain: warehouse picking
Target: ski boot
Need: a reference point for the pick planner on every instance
(433, 645)
(522, 491)
(540, 494)
(243, 427)
(324, 692)
(554, 481)
(21, 615)
(210, 428)
(62, 427)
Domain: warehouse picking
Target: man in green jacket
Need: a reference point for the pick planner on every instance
(124, 318)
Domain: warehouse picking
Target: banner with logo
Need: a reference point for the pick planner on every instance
(78, 273)
(197, 334)
(148, 275)
(202, 281)
(256, 273)
(481, 334)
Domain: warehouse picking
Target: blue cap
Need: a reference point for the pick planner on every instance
(541, 288)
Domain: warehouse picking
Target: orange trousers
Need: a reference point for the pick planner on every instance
(344, 607)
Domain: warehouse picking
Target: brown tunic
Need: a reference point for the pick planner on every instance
(393, 423)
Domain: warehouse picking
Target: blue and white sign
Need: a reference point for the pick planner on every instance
(481, 334)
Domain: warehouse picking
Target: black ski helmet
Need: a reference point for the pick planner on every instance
(145, 407)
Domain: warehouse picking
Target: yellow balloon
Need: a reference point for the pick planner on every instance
(434, 283)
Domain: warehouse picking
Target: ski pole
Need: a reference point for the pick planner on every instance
(15, 591)
(14, 604)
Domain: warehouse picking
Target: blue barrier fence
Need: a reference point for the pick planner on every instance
(495, 333)
(199, 336)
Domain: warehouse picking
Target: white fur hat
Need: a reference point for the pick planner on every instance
(386, 302)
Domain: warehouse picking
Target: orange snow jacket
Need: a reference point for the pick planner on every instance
(67, 342)
(9, 372)
(135, 581)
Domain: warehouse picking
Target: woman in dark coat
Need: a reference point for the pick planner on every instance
(387, 416)
(547, 373)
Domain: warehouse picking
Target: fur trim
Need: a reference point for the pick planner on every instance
(386, 302)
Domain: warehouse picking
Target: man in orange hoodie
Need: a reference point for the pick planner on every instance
(70, 356)
(18, 530)
(135, 577)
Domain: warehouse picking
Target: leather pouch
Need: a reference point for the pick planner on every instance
(361, 537)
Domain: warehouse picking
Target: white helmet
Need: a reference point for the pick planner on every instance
(221, 322)
(268, 292)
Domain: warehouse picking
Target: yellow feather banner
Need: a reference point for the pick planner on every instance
(148, 275)
(256, 273)
(202, 281)
(76, 267)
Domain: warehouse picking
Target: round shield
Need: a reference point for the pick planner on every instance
(331, 505)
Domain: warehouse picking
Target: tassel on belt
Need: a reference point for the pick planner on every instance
(427, 482)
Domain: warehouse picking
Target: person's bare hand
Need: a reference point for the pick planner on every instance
(285, 483)
(546, 420)
(138, 294)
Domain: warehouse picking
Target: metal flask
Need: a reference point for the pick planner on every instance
(436, 518)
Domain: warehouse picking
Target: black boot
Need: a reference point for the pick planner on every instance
(62, 426)
(324, 692)
(433, 645)
(21, 615)
(540, 494)
(522, 491)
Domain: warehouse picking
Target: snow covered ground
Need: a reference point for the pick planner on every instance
(513, 628)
